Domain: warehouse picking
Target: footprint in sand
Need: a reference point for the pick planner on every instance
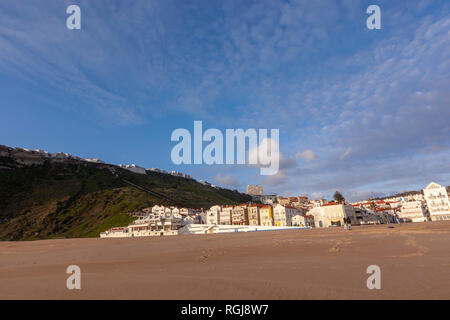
(339, 244)
(420, 249)
(337, 247)
(204, 257)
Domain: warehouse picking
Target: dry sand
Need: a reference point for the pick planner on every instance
(307, 264)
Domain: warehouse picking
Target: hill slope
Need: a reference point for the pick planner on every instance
(80, 199)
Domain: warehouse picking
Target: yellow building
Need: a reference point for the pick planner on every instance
(266, 216)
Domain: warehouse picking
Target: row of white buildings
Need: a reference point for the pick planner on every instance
(155, 221)
(431, 205)
(141, 170)
(166, 221)
(161, 220)
(434, 205)
(38, 156)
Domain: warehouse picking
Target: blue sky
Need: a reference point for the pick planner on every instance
(362, 111)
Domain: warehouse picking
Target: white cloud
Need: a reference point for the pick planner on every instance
(346, 153)
(307, 155)
(317, 195)
(361, 111)
(226, 180)
(362, 195)
(277, 180)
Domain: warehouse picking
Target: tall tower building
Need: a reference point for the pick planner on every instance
(255, 190)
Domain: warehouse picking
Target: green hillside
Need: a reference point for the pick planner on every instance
(79, 199)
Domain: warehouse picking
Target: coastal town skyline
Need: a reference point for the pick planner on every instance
(271, 213)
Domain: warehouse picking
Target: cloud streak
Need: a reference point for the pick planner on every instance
(357, 110)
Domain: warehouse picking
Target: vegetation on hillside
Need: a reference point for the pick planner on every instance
(83, 199)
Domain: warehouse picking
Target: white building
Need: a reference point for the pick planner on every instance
(300, 220)
(412, 211)
(437, 201)
(158, 209)
(212, 215)
(179, 174)
(158, 170)
(146, 226)
(133, 168)
(282, 215)
(59, 156)
(94, 160)
(333, 214)
(225, 215)
(43, 153)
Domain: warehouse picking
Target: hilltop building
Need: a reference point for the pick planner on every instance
(133, 168)
(94, 160)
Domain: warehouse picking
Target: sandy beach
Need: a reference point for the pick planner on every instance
(307, 264)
